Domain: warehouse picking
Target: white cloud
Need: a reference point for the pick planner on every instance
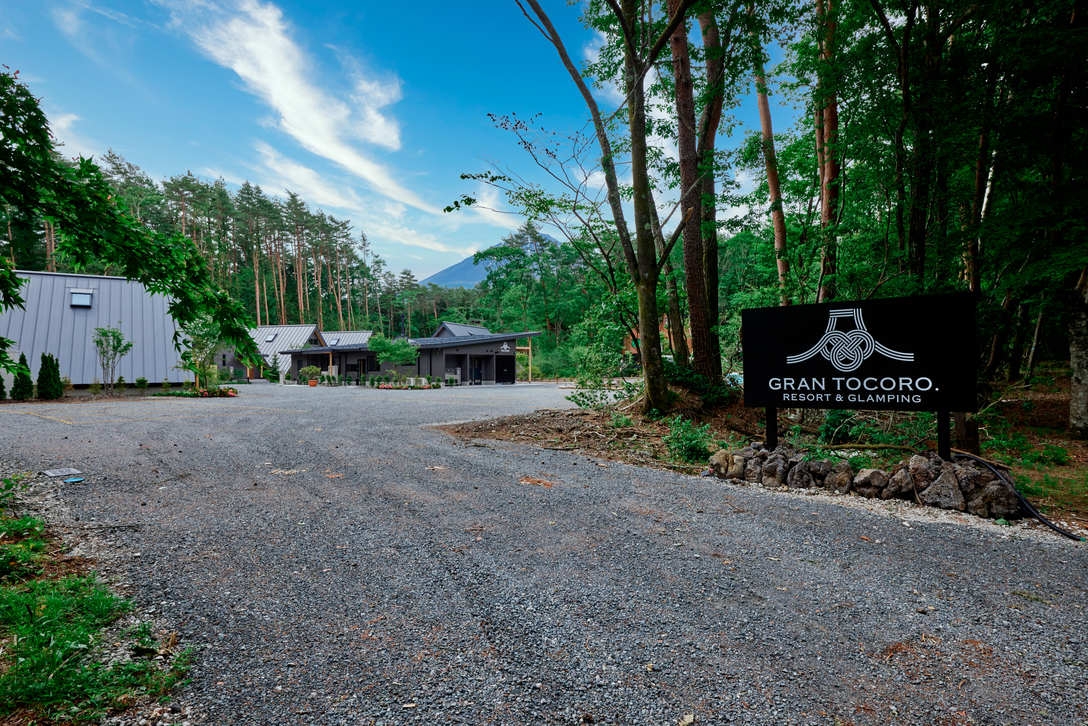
(73, 143)
(254, 41)
(306, 182)
(489, 208)
(396, 234)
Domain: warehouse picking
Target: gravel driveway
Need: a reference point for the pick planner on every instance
(334, 561)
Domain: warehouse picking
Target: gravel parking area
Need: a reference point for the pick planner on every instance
(335, 561)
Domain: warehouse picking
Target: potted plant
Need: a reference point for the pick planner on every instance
(310, 373)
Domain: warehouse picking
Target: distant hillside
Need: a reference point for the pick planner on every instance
(465, 274)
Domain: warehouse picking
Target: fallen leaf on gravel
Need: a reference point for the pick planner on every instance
(687, 720)
(333, 475)
(536, 482)
(286, 472)
(864, 538)
(437, 467)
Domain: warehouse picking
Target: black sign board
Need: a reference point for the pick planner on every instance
(900, 354)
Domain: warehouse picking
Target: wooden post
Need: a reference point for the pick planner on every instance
(771, 414)
(944, 435)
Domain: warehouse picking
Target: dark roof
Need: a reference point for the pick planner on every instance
(458, 330)
(448, 341)
(334, 338)
(475, 339)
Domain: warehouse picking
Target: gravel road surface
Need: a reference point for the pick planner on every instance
(334, 561)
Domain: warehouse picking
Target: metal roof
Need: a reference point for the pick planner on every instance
(474, 339)
(346, 337)
(58, 320)
(430, 343)
(458, 330)
(272, 340)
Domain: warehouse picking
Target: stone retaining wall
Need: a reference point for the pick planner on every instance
(925, 479)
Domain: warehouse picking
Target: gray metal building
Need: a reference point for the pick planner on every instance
(62, 311)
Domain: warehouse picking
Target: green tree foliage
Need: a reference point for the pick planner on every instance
(202, 338)
(22, 387)
(112, 347)
(93, 226)
(395, 351)
(50, 386)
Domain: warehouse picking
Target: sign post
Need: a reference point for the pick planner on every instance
(897, 354)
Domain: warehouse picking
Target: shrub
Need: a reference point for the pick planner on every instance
(22, 387)
(687, 442)
(50, 386)
(141, 383)
(308, 373)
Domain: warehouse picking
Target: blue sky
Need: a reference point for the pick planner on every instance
(369, 110)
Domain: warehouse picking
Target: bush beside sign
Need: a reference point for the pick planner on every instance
(898, 354)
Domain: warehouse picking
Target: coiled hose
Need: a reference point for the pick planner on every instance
(1028, 506)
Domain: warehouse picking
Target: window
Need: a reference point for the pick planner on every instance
(270, 337)
(80, 298)
(334, 341)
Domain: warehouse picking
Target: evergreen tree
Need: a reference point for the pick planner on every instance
(22, 387)
(50, 386)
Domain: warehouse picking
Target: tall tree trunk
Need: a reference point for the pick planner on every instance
(317, 288)
(774, 188)
(257, 282)
(647, 271)
(641, 255)
(50, 247)
(827, 154)
(678, 339)
(691, 198)
(709, 122)
(1078, 358)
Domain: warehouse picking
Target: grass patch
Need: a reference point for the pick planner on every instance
(63, 658)
(1065, 488)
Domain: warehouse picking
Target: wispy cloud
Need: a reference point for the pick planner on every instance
(489, 208)
(73, 144)
(405, 235)
(102, 43)
(288, 174)
(254, 40)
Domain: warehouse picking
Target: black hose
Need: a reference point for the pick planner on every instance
(1023, 502)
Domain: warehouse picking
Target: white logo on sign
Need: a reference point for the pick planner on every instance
(847, 350)
(505, 347)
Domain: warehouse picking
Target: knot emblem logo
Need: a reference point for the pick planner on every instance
(847, 349)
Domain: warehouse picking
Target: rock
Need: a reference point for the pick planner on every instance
(753, 470)
(944, 492)
(870, 483)
(1002, 501)
(819, 470)
(972, 479)
(900, 484)
(923, 470)
(978, 506)
(720, 462)
(800, 476)
(775, 470)
(840, 478)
